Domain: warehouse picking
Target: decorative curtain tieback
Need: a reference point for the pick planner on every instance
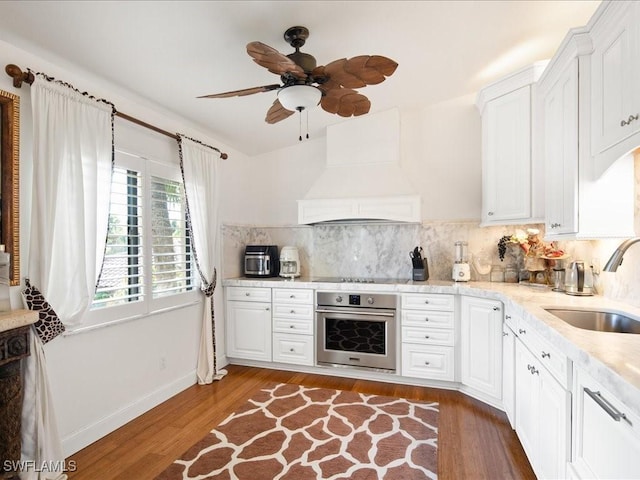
(208, 288)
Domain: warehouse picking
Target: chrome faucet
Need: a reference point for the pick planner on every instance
(616, 258)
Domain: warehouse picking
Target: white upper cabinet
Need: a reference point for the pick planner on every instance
(580, 201)
(512, 183)
(561, 152)
(615, 93)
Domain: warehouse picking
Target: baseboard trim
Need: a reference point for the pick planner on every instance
(87, 435)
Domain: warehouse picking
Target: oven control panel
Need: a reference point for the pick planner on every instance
(357, 300)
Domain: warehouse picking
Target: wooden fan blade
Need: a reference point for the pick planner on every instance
(345, 102)
(274, 61)
(242, 93)
(277, 112)
(358, 72)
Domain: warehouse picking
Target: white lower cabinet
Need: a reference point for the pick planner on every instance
(248, 323)
(481, 345)
(606, 434)
(428, 336)
(543, 417)
(293, 326)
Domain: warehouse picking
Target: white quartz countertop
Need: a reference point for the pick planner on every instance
(613, 359)
(16, 318)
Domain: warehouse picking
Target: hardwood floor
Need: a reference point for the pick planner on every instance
(475, 441)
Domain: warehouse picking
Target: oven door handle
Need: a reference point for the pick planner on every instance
(367, 313)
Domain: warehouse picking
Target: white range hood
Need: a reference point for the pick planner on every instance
(363, 179)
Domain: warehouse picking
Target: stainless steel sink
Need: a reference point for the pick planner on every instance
(599, 321)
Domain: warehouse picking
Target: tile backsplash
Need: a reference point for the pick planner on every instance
(381, 250)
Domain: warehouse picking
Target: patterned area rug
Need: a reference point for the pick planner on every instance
(292, 432)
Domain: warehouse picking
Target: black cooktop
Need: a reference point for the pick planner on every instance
(366, 280)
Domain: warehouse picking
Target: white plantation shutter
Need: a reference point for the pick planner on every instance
(171, 251)
(122, 277)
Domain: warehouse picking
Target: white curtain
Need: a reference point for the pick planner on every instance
(199, 165)
(72, 165)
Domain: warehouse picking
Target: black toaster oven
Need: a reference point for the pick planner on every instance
(261, 261)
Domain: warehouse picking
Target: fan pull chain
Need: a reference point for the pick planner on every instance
(300, 109)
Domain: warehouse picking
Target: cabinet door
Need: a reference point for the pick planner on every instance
(615, 67)
(506, 143)
(527, 401)
(554, 427)
(561, 153)
(481, 345)
(249, 330)
(606, 444)
(508, 373)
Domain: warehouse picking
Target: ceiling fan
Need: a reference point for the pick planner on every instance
(304, 84)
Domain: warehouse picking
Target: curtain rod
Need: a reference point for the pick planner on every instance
(20, 77)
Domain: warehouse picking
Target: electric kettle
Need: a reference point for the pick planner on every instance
(578, 280)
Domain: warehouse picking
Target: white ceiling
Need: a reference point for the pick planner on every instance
(172, 52)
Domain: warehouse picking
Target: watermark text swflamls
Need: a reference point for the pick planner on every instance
(40, 467)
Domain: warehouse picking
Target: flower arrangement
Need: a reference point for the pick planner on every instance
(530, 244)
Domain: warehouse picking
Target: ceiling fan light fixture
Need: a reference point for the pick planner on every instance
(299, 97)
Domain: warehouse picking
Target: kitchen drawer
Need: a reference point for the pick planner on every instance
(427, 301)
(428, 336)
(302, 312)
(416, 318)
(292, 295)
(297, 349)
(553, 359)
(249, 294)
(284, 325)
(428, 361)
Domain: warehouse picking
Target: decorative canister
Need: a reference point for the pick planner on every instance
(497, 273)
(511, 274)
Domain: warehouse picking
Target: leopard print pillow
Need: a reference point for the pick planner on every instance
(48, 326)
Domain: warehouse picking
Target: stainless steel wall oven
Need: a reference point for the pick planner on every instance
(356, 329)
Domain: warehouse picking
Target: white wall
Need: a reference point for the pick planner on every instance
(101, 379)
(440, 158)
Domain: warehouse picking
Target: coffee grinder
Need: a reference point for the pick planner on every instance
(461, 271)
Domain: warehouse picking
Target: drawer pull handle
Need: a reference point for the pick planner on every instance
(521, 331)
(606, 406)
(426, 336)
(292, 311)
(508, 317)
(629, 120)
(292, 350)
(426, 319)
(546, 355)
(267, 309)
(427, 363)
(247, 294)
(495, 309)
(532, 369)
(426, 301)
(292, 326)
(505, 334)
(292, 296)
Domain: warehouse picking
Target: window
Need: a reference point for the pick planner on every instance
(148, 263)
